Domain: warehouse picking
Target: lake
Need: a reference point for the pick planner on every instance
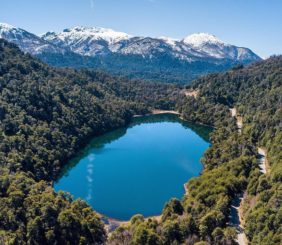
(137, 169)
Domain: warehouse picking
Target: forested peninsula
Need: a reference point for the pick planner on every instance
(47, 114)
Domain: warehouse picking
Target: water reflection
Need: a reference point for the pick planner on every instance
(137, 169)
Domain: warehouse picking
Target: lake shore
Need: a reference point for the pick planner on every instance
(111, 224)
(158, 112)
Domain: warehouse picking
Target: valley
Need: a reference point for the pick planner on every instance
(49, 114)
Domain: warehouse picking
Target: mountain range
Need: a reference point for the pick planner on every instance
(161, 59)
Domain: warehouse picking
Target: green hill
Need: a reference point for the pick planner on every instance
(48, 114)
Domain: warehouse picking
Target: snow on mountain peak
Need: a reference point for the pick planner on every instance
(94, 33)
(199, 39)
(169, 40)
(11, 31)
(26, 41)
(6, 26)
(93, 41)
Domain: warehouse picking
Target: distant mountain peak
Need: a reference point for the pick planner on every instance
(27, 41)
(138, 53)
(6, 29)
(169, 40)
(83, 33)
(6, 26)
(200, 39)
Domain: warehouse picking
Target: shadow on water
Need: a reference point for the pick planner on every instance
(201, 130)
(100, 141)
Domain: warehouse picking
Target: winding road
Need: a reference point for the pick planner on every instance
(239, 119)
(262, 161)
(191, 93)
(235, 218)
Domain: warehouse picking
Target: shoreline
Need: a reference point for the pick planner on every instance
(158, 112)
(111, 223)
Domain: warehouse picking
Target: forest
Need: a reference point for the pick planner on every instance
(162, 68)
(231, 168)
(47, 114)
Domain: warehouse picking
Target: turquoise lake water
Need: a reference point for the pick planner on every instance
(137, 169)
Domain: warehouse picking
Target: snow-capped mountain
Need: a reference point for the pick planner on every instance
(199, 39)
(210, 45)
(101, 41)
(162, 58)
(26, 41)
(86, 41)
(94, 41)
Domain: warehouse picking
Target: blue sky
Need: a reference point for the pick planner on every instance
(256, 24)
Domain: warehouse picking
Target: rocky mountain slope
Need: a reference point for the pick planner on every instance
(162, 59)
(100, 41)
(27, 41)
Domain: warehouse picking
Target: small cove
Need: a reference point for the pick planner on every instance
(137, 169)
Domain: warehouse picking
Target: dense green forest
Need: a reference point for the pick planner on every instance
(163, 68)
(256, 92)
(231, 167)
(48, 114)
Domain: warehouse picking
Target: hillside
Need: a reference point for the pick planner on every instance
(256, 92)
(47, 115)
(231, 164)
